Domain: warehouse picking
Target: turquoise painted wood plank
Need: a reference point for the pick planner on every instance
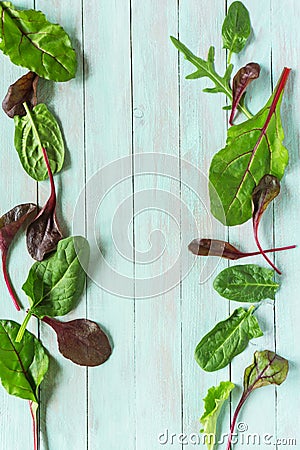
(157, 223)
(64, 389)
(108, 112)
(285, 45)
(17, 187)
(202, 133)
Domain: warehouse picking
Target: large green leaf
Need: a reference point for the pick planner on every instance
(33, 42)
(246, 283)
(236, 28)
(55, 284)
(213, 402)
(38, 129)
(253, 149)
(227, 339)
(22, 366)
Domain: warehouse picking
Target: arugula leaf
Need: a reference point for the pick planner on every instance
(267, 369)
(44, 232)
(236, 28)
(23, 90)
(55, 284)
(253, 149)
(227, 339)
(31, 41)
(206, 69)
(10, 223)
(22, 366)
(33, 132)
(213, 402)
(246, 283)
(81, 340)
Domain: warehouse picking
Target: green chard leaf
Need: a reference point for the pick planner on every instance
(246, 283)
(39, 129)
(55, 284)
(213, 402)
(31, 41)
(236, 28)
(227, 339)
(267, 368)
(253, 149)
(22, 366)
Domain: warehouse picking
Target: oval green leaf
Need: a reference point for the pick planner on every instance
(31, 41)
(227, 339)
(236, 28)
(22, 366)
(55, 284)
(246, 283)
(38, 129)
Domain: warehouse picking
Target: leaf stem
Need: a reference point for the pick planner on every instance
(229, 57)
(263, 252)
(235, 416)
(33, 410)
(7, 281)
(23, 326)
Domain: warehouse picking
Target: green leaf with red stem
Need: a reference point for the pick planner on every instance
(254, 148)
(266, 369)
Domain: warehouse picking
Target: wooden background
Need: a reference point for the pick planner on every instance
(129, 98)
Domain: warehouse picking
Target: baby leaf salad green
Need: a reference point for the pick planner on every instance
(244, 178)
(56, 281)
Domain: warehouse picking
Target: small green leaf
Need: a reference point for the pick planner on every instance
(22, 366)
(38, 129)
(213, 402)
(55, 284)
(227, 339)
(246, 283)
(31, 41)
(236, 28)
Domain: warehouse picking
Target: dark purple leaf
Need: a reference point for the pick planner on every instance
(267, 189)
(44, 233)
(82, 341)
(10, 223)
(240, 83)
(23, 90)
(266, 369)
(214, 247)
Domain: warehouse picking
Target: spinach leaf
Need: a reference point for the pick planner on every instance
(22, 366)
(267, 189)
(55, 284)
(206, 69)
(23, 90)
(267, 369)
(44, 232)
(33, 132)
(254, 149)
(213, 402)
(81, 340)
(10, 223)
(227, 339)
(236, 28)
(240, 83)
(31, 41)
(246, 283)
